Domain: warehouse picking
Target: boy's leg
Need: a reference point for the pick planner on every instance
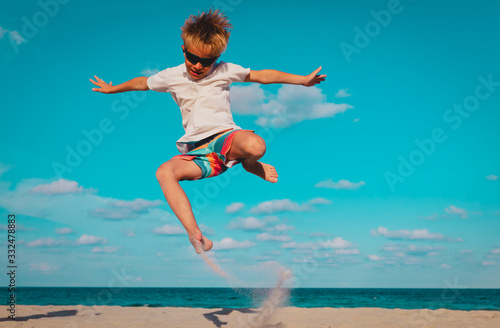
(249, 147)
(169, 174)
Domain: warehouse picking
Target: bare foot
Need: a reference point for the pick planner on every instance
(265, 171)
(201, 243)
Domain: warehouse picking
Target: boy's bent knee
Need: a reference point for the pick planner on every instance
(178, 169)
(165, 171)
(255, 146)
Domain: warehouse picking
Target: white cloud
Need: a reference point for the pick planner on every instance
(106, 213)
(457, 211)
(64, 231)
(341, 184)
(495, 251)
(248, 100)
(401, 250)
(491, 177)
(105, 249)
(45, 242)
(303, 250)
(432, 217)
(278, 205)
(71, 209)
(342, 93)
(234, 207)
(445, 266)
(303, 260)
(355, 120)
(206, 230)
(281, 227)
(149, 71)
(412, 261)
(123, 209)
(2, 32)
(292, 104)
(337, 242)
(61, 186)
(295, 245)
(487, 263)
(90, 240)
(319, 201)
(375, 258)
(286, 205)
(341, 245)
(229, 243)
(170, 230)
(43, 267)
(17, 37)
(417, 234)
(4, 167)
(351, 251)
(269, 237)
(14, 35)
(248, 224)
(129, 232)
(136, 205)
(318, 234)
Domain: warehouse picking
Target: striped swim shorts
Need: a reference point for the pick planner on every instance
(210, 155)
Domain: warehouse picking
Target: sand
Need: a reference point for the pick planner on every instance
(124, 317)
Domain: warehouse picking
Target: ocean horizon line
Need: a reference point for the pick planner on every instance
(250, 297)
(270, 287)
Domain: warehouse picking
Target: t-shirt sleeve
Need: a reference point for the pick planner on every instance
(236, 73)
(159, 81)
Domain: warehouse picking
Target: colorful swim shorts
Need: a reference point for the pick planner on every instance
(210, 156)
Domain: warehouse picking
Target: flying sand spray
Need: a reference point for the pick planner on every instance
(277, 297)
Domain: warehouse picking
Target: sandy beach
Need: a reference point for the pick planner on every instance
(116, 316)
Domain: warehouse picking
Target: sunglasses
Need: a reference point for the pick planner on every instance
(193, 59)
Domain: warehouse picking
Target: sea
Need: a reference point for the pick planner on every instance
(389, 298)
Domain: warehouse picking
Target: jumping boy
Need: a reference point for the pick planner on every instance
(212, 141)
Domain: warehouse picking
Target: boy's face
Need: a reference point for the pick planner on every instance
(197, 71)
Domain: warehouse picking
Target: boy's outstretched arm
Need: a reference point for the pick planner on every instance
(268, 76)
(136, 84)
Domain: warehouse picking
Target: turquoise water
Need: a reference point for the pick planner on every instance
(454, 299)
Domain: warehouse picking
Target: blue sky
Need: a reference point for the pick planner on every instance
(388, 171)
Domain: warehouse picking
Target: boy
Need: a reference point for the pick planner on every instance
(200, 87)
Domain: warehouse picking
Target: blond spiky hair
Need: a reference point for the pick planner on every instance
(207, 31)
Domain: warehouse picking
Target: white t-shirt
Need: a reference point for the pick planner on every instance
(204, 103)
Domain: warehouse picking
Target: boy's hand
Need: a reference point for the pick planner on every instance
(314, 78)
(103, 86)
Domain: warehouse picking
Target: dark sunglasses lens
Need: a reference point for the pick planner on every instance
(207, 61)
(193, 59)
